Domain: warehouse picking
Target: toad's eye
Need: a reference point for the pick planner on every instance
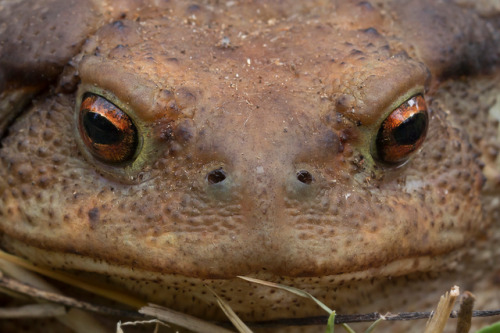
(107, 131)
(403, 131)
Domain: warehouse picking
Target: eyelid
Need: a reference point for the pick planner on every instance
(139, 94)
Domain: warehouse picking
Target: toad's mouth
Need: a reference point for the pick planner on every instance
(130, 262)
(45, 261)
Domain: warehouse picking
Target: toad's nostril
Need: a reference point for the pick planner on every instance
(216, 176)
(305, 177)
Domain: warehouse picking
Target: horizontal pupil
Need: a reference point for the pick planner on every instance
(100, 130)
(410, 131)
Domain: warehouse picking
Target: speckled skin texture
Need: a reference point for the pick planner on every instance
(262, 90)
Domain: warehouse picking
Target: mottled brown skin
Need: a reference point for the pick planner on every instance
(262, 90)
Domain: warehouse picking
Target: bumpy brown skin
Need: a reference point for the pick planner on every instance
(262, 90)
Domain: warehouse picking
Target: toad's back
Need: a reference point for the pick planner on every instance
(347, 148)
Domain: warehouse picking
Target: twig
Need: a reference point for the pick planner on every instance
(33, 311)
(465, 313)
(438, 321)
(157, 323)
(181, 319)
(24, 289)
(360, 318)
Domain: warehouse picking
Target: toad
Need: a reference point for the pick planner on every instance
(347, 148)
